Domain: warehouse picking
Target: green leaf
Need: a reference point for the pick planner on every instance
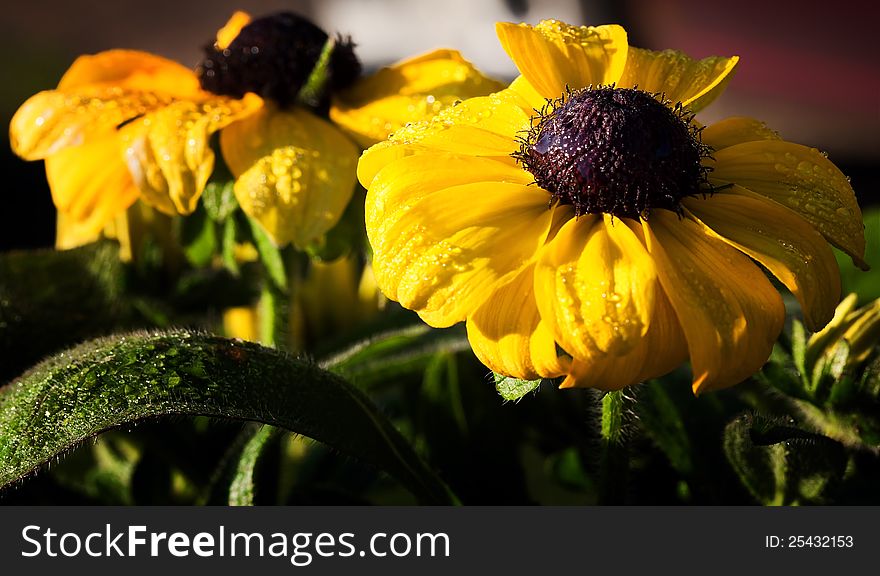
(865, 284)
(270, 255)
(313, 91)
(512, 389)
(103, 471)
(241, 490)
(781, 464)
(660, 417)
(761, 469)
(113, 382)
(380, 358)
(199, 237)
(228, 247)
(51, 299)
(219, 200)
(799, 346)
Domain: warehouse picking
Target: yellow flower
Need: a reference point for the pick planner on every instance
(584, 225)
(858, 328)
(124, 125)
(415, 89)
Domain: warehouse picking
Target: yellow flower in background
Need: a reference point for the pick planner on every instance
(415, 89)
(858, 328)
(584, 225)
(124, 125)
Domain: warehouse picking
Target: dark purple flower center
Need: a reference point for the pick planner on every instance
(273, 57)
(617, 151)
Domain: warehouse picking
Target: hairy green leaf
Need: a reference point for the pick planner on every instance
(406, 350)
(270, 255)
(50, 300)
(113, 382)
(241, 490)
(512, 389)
(661, 418)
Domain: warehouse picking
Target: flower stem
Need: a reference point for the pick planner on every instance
(615, 456)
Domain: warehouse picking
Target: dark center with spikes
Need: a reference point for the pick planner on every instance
(617, 151)
(274, 57)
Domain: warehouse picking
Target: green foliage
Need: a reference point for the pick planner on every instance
(660, 416)
(199, 237)
(50, 298)
(112, 382)
(781, 464)
(865, 284)
(243, 486)
(270, 255)
(513, 389)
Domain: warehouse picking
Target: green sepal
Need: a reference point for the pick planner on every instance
(219, 200)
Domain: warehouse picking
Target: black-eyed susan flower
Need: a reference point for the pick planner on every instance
(124, 125)
(584, 225)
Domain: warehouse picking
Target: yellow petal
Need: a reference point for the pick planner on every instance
(410, 91)
(531, 98)
(295, 172)
(659, 352)
(801, 179)
(97, 94)
(594, 284)
(482, 126)
(242, 322)
(90, 185)
(408, 180)
(131, 70)
(555, 56)
(447, 253)
(507, 334)
(782, 242)
(732, 131)
(694, 83)
(51, 121)
(169, 154)
(230, 30)
(728, 310)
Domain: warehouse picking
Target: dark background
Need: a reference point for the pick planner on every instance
(809, 70)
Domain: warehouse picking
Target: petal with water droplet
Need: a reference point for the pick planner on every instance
(694, 83)
(801, 179)
(659, 352)
(729, 311)
(295, 172)
(449, 251)
(482, 126)
(403, 182)
(781, 241)
(507, 334)
(168, 151)
(736, 130)
(595, 287)
(90, 185)
(554, 55)
(410, 91)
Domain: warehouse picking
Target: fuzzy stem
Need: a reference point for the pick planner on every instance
(615, 457)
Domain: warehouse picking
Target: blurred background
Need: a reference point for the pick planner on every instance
(811, 72)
